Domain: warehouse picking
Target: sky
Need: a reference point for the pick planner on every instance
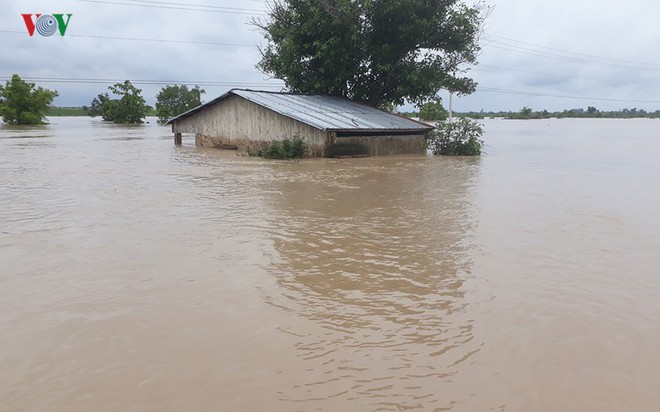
(546, 55)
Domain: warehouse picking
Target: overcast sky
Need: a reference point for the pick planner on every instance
(541, 54)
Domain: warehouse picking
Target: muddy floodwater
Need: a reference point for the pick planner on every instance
(140, 276)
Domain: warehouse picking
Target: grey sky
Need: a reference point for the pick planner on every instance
(533, 51)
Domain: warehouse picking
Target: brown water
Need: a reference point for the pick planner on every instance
(138, 276)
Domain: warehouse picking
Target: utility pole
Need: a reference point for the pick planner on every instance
(451, 117)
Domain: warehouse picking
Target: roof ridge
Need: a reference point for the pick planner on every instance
(294, 94)
(323, 112)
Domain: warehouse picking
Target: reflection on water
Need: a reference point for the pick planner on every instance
(137, 275)
(373, 252)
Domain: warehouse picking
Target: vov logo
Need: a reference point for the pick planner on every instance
(46, 24)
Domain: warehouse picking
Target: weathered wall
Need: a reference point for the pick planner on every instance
(237, 121)
(387, 144)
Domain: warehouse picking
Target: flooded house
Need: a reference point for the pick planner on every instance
(332, 126)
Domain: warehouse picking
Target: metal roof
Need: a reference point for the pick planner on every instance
(322, 112)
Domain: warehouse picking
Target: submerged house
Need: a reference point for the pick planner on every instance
(332, 126)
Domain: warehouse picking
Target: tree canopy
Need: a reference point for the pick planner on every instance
(171, 101)
(22, 103)
(377, 52)
(457, 138)
(130, 107)
(433, 111)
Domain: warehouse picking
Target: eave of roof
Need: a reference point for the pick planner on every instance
(199, 108)
(327, 113)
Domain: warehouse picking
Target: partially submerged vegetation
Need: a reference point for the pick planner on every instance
(461, 137)
(75, 111)
(128, 107)
(67, 111)
(171, 101)
(23, 103)
(590, 113)
(433, 111)
(526, 113)
(293, 148)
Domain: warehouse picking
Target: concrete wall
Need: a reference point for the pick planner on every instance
(387, 144)
(237, 121)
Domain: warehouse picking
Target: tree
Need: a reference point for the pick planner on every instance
(433, 111)
(525, 113)
(130, 107)
(376, 52)
(103, 106)
(458, 138)
(171, 101)
(21, 103)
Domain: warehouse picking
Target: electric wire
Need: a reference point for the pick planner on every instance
(504, 40)
(536, 94)
(181, 6)
(205, 83)
(494, 41)
(86, 36)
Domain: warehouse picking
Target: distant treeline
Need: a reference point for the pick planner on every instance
(66, 111)
(524, 113)
(589, 112)
(77, 111)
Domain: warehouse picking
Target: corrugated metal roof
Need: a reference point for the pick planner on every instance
(322, 112)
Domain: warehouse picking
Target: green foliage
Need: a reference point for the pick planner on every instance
(433, 111)
(294, 148)
(458, 138)
(130, 107)
(525, 112)
(376, 52)
(590, 112)
(67, 111)
(21, 103)
(171, 101)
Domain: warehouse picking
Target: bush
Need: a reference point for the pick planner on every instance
(433, 111)
(23, 103)
(129, 108)
(171, 101)
(458, 138)
(294, 148)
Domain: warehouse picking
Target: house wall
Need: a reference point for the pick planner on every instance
(386, 144)
(236, 121)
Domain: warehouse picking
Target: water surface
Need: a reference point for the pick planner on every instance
(140, 276)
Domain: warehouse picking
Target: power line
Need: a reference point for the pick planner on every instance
(527, 93)
(181, 6)
(583, 55)
(144, 39)
(576, 58)
(207, 83)
(568, 58)
(516, 69)
(190, 4)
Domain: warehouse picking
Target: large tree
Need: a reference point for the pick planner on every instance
(433, 111)
(22, 103)
(377, 52)
(171, 101)
(130, 107)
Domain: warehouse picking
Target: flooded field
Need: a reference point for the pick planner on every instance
(140, 276)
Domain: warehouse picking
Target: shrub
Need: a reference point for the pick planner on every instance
(433, 111)
(23, 103)
(173, 100)
(294, 148)
(458, 138)
(129, 108)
